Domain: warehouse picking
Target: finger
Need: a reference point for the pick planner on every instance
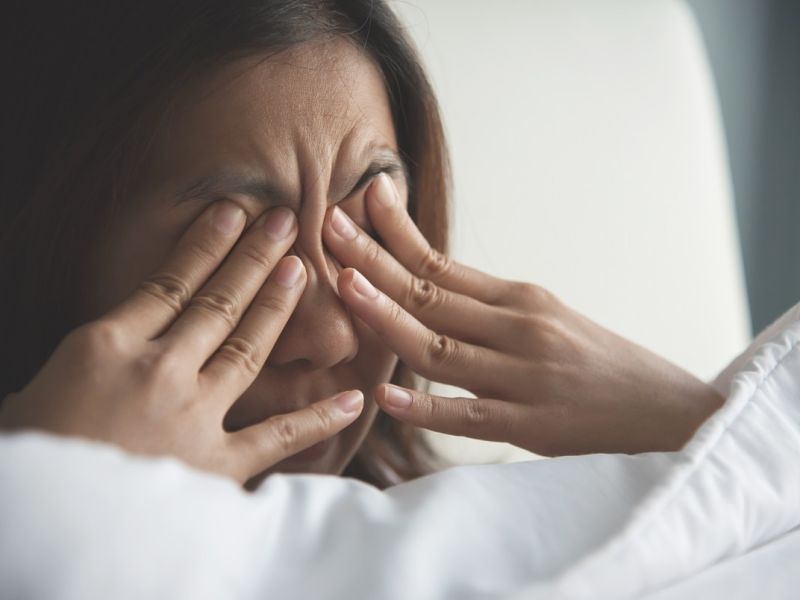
(160, 298)
(480, 418)
(448, 312)
(217, 308)
(240, 357)
(402, 239)
(432, 355)
(279, 437)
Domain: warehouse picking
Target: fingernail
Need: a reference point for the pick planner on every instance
(342, 225)
(396, 397)
(386, 192)
(363, 286)
(288, 273)
(279, 223)
(350, 402)
(227, 217)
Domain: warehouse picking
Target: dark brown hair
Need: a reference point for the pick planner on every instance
(86, 84)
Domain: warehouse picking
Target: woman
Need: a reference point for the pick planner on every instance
(147, 145)
(161, 298)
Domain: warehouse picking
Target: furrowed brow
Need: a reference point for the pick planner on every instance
(217, 185)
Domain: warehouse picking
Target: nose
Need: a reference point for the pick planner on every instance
(320, 332)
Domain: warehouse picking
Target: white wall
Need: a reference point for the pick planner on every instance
(589, 158)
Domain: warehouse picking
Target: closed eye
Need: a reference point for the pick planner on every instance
(218, 185)
(375, 169)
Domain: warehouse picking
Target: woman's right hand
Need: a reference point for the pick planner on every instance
(157, 374)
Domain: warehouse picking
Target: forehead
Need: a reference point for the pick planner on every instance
(281, 114)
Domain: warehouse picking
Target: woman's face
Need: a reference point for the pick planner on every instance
(299, 128)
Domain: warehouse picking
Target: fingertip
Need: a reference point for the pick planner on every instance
(394, 398)
(227, 217)
(344, 280)
(355, 282)
(384, 190)
(303, 270)
(291, 272)
(362, 286)
(350, 402)
(347, 274)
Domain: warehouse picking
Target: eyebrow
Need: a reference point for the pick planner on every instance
(228, 182)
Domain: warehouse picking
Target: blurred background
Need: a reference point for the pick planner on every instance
(639, 158)
(754, 51)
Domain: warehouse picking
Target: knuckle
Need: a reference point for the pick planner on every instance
(242, 354)
(201, 250)
(259, 257)
(170, 289)
(424, 294)
(161, 365)
(372, 252)
(101, 338)
(442, 349)
(475, 414)
(434, 264)
(323, 417)
(431, 405)
(286, 433)
(542, 331)
(272, 303)
(531, 295)
(225, 303)
(396, 313)
(542, 296)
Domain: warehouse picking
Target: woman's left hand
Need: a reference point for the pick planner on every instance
(546, 378)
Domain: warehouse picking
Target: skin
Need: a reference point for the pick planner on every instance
(309, 121)
(187, 351)
(546, 378)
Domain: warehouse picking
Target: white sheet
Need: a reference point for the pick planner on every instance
(85, 520)
(770, 572)
(736, 486)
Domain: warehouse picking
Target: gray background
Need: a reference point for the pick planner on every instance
(754, 49)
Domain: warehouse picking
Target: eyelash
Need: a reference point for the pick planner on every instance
(369, 175)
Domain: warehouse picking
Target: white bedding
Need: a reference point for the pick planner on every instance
(720, 518)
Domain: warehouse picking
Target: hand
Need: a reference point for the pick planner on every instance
(157, 374)
(547, 379)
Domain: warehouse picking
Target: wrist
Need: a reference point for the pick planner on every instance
(701, 404)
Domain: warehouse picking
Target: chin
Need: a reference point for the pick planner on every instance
(325, 458)
(329, 457)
